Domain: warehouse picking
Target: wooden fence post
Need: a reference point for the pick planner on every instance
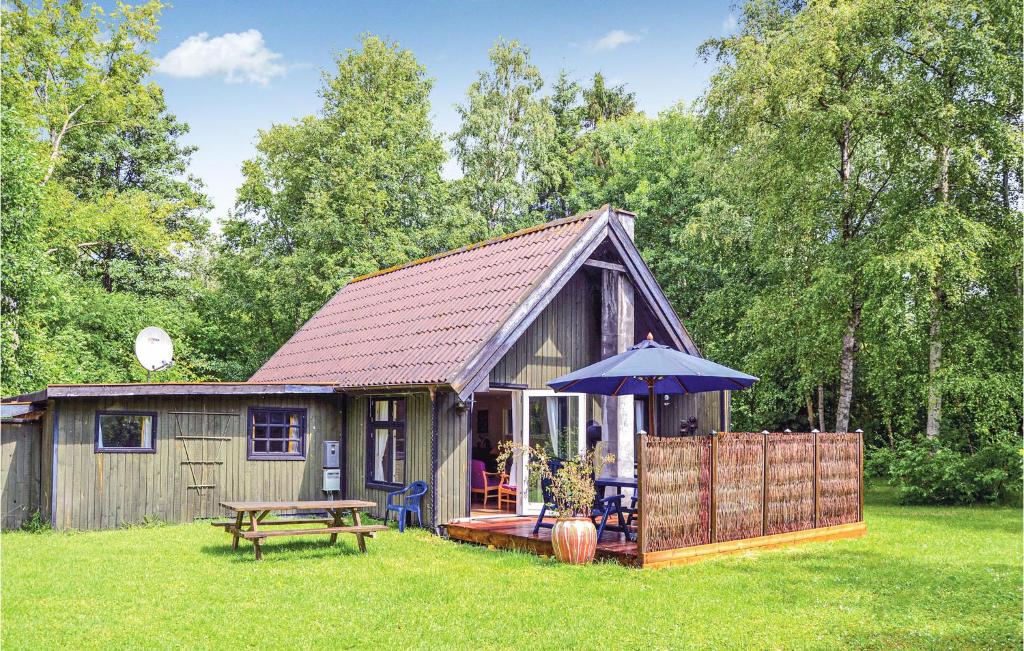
(714, 483)
(764, 485)
(641, 504)
(860, 478)
(815, 432)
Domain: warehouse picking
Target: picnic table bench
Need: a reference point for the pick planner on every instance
(250, 521)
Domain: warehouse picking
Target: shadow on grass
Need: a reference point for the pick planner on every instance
(286, 549)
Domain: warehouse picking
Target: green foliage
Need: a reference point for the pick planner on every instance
(505, 142)
(101, 221)
(36, 524)
(928, 472)
(571, 479)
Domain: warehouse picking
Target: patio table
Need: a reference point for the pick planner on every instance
(250, 517)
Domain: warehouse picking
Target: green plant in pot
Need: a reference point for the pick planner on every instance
(568, 486)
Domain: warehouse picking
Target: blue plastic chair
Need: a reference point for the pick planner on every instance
(406, 500)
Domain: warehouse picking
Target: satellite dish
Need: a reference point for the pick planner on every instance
(153, 349)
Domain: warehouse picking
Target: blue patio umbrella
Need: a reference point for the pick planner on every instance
(652, 368)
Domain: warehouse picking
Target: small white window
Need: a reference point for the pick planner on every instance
(125, 431)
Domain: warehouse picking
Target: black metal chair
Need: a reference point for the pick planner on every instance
(603, 507)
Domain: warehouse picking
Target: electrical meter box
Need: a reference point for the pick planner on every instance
(332, 454)
(332, 480)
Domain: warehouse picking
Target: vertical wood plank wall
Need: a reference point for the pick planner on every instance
(418, 428)
(564, 337)
(567, 336)
(20, 476)
(706, 407)
(105, 490)
(452, 459)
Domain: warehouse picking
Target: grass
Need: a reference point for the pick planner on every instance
(924, 577)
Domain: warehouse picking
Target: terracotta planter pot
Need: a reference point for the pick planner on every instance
(574, 540)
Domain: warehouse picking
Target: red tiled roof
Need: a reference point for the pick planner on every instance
(419, 323)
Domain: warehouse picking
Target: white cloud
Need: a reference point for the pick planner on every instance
(729, 23)
(613, 39)
(240, 57)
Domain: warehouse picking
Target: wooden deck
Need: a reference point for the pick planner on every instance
(517, 533)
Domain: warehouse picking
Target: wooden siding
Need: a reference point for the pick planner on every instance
(106, 490)
(20, 472)
(706, 407)
(418, 449)
(565, 337)
(452, 459)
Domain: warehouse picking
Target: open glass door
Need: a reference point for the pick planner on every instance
(553, 421)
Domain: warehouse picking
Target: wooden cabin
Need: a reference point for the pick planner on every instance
(417, 372)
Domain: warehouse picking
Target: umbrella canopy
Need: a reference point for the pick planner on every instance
(629, 373)
(651, 368)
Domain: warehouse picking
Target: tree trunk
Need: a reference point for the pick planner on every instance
(936, 312)
(810, 412)
(821, 408)
(846, 361)
(850, 347)
(934, 366)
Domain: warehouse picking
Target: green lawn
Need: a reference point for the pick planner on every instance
(922, 578)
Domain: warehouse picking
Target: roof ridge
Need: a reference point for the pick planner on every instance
(477, 245)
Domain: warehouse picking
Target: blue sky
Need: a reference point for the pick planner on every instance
(232, 68)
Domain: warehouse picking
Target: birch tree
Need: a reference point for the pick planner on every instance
(800, 104)
(505, 142)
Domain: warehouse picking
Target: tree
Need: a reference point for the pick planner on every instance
(602, 102)
(26, 277)
(349, 191)
(103, 218)
(77, 71)
(568, 117)
(578, 112)
(803, 108)
(957, 61)
(505, 141)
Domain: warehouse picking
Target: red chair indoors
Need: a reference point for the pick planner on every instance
(483, 482)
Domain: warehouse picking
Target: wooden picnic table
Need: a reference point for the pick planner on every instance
(250, 521)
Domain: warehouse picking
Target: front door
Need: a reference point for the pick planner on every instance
(555, 422)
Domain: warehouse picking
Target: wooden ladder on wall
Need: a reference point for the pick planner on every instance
(206, 445)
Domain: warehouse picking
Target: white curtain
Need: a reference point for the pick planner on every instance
(517, 433)
(380, 442)
(147, 431)
(552, 414)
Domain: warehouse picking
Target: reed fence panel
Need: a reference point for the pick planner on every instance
(731, 486)
(677, 492)
(739, 486)
(789, 482)
(839, 478)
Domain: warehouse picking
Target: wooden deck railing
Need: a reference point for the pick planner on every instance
(733, 486)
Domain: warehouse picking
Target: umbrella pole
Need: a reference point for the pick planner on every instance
(650, 405)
